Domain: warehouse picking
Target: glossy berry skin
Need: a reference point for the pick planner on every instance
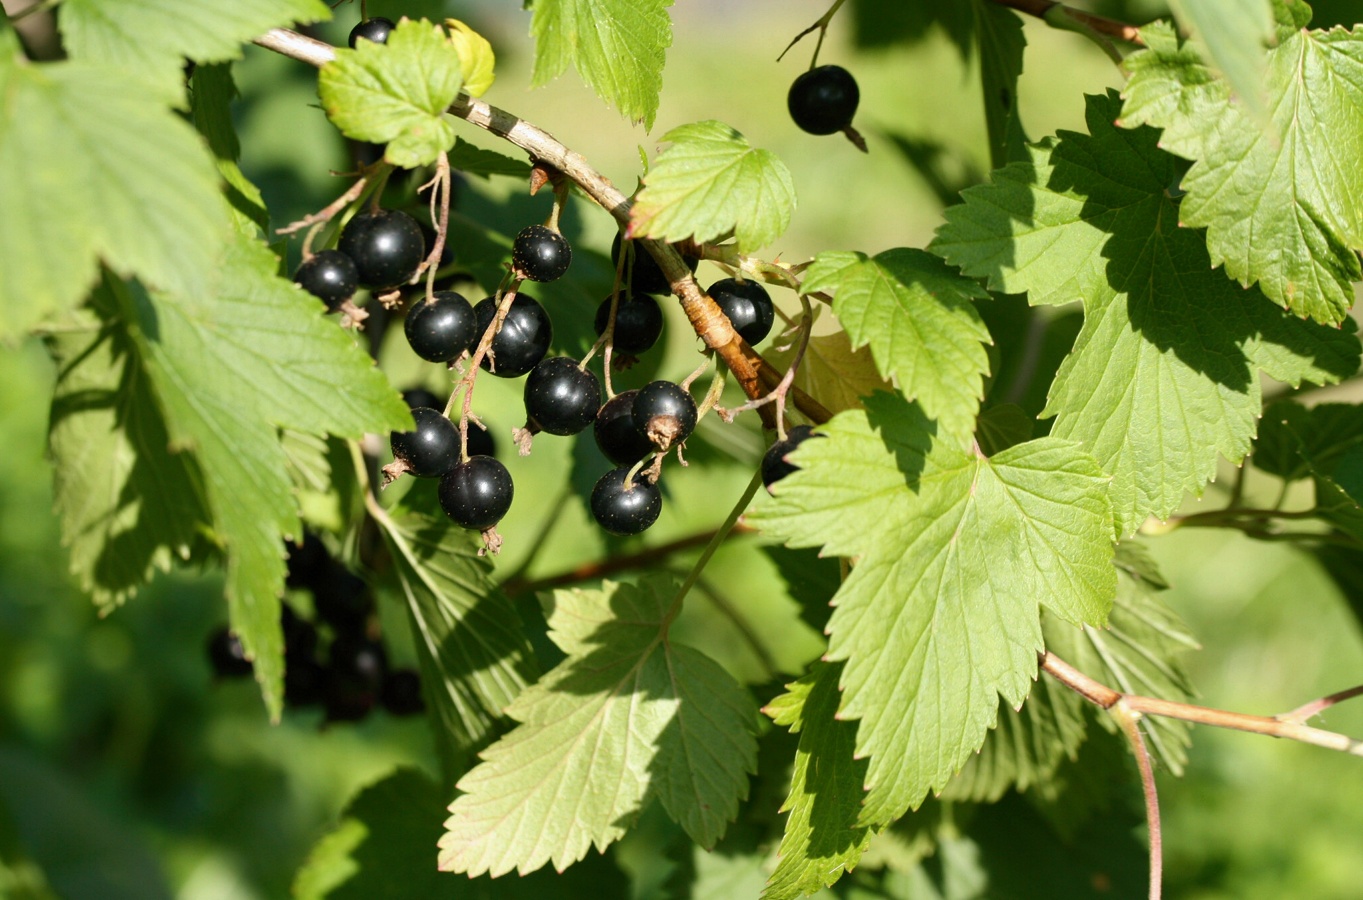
(823, 100)
(227, 656)
(646, 277)
(330, 276)
(774, 464)
(432, 448)
(441, 329)
(638, 322)
(748, 306)
(540, 253)
(376, 29)
(386, 245)
(401, 694)
(560, 397)
(477, 492)
(523, 339)
(619, 440)
(664, 413)
(621, 511)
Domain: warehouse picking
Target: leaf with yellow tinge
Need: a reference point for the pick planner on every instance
(396, 93)
(832, 372)
(476, 59)
(710, 183)
(629, 715)
(934, 631)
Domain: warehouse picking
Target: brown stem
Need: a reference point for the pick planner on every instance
(1307, 710)
(709, 322)
(1130, 725)
(602, 568)
(1104, 696)
(1100, 24)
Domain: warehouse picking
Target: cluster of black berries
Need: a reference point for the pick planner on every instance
(378, 249)
(353, 676)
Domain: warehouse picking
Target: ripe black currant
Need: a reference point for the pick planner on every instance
(540, 253)
(774, 464)
(561, 397)
(748, 306)
(420, 396)
(330, 276)
(481, 442)
(227, 656)
(300, 635)
(823, 100)
(308, 562)
(646, 277)
(355, 670)
(386, 245)
(305, 682)
(523, 339)
(431, 449)
(477, 492)
(622, 510)
(441, 329)
(376, 29)
(638, 322)
(401, 694)
(344, 601)
(619, 440)
(664, 413)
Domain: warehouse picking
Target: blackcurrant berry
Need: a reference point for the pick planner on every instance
(431, 449)
(619, 440)
(748, 306)
(386, 245)
(622, 510)
(330, 276)
(645, 276)
(774, 464)
(823, 100)
(356, 667)
(376, 29)
(477, 492)
(308, 563)
(561, 397)
(540, 253)
(523, 339)
(664, 413)
(227, 656)
(638, 322)
(401, 694)
(345, 602)
(420, 396)
(305, 682)
(481, 442)
(441, 329)
(300, 635)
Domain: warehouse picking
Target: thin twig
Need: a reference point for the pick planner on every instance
(1306, 711)
(1043, 9)
(606, 567)
(1104, 696)
(1130, 725)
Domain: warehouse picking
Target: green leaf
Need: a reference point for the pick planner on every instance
(475, 657)
(1162, 376)
(474, 160)
(832, 372)
(822, 838)
(1282, 204)
(710, 183)
(128, 503)
(917, 316)
(627, 716)
(230, 366)
(1000, 42)
(211, 94)
(1027, 745)
(95, 170)
(1000, 427)
(617, 46)
(154, 37)
(933, 631)
(1138, 653)
(396, 93)
(1235, 36)
(1325, 443)
(476, 59)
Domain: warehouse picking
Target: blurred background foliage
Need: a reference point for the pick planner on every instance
(126, 771)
